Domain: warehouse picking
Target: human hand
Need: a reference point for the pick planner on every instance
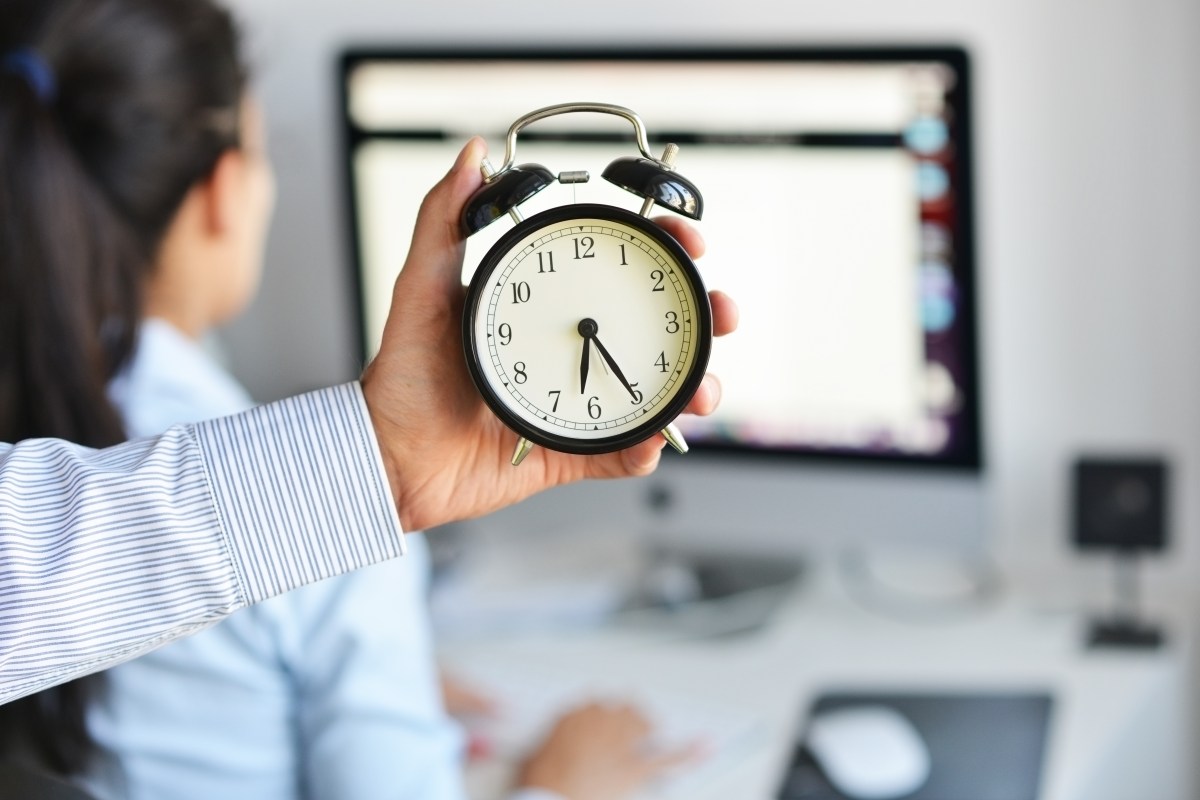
(469, 705)
(446, 454)
(462, 700)
(597, 752)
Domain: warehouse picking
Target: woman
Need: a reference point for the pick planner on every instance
(135, 195)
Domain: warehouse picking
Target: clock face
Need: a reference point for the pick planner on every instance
(587, 328)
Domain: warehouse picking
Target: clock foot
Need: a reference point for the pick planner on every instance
(675, 438)
(523, 448)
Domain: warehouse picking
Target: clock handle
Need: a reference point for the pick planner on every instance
(652, 179)
(639, 128)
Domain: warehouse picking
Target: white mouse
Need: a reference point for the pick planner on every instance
(869, 752)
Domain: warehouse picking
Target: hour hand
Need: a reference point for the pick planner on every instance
(583, 366)
(587, 329)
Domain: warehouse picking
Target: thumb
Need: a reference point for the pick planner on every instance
(437, 241)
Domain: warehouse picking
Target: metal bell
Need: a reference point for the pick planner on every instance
(502, 194)
(653, 181)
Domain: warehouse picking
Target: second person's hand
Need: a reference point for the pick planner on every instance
(598, 752)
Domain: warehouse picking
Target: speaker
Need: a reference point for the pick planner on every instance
(1120, 504)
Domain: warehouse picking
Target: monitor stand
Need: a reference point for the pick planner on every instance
(708, 593)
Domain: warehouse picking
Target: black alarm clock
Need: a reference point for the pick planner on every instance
(587, 327)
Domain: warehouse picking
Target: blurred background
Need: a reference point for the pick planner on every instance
(1086, 136)
(1087, 126)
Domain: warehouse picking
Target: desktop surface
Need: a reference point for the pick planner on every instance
(1119, 727)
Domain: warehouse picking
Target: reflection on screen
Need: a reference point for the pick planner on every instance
(833, 216)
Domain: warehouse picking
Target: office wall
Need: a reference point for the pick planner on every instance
(1089, 208)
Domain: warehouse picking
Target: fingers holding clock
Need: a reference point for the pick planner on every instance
(438, 241)
(707, 397)
(420, 368)
(642, 459)
(685, 233)
(725, 321)
(724, 312)
(417, 390)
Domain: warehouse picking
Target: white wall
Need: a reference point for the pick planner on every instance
(1089, 211)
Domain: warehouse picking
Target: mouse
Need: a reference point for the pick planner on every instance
(869, 752)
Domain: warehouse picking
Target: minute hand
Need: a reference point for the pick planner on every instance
(616, 370)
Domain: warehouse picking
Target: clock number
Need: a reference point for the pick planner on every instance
(505, 332)
(637, 395)
(546, 262)
(588, 243)
(624, 263)
(521, 292)
(657, 276)
(593, 408)
(519, 375)
(662, 362)
(557, 393)
(672, 322)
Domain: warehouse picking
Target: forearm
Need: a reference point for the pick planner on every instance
(107, 554)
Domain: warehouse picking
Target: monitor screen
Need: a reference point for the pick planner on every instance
(837, 193)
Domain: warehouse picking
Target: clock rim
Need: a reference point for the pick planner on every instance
(659, 420)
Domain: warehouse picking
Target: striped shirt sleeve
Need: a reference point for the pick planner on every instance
(106, 554)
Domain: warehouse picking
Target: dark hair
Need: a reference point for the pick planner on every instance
(145, 98)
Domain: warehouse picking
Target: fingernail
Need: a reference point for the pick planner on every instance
(467, 154)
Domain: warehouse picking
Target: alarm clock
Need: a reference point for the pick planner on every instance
(587, 327)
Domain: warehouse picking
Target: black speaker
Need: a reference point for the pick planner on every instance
(1120, 504)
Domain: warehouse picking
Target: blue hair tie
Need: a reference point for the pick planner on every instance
(30, 65)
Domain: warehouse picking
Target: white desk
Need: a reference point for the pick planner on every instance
(1120, 728)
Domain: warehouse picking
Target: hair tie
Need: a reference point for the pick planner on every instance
(29, 64)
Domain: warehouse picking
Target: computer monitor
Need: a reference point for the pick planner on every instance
(838, 213)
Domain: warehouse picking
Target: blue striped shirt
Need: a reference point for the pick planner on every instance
(106, 554)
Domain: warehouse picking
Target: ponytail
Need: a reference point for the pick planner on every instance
(104, 128)
(68, 272)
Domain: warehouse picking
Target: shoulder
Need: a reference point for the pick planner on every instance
(172, 380)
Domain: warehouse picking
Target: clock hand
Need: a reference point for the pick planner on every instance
(583, 366)
(587, 329)
(616, 370)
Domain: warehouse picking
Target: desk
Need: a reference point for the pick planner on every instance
(1120, 728)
